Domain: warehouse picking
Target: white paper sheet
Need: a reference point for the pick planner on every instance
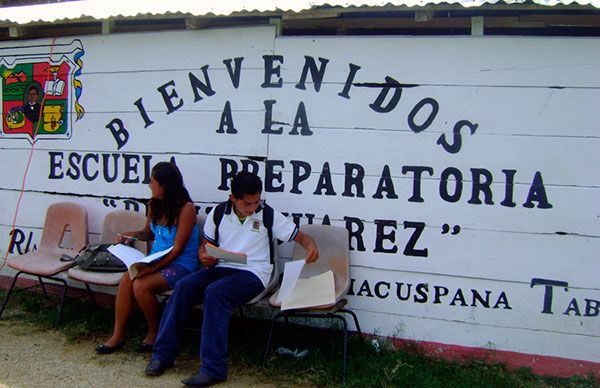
(291, 273)
(315, 291)
(223, 254)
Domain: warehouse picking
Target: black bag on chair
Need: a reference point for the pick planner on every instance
(97, 258)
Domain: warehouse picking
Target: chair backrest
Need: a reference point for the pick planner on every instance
(332, 242)
(60, 217)
(120, 221)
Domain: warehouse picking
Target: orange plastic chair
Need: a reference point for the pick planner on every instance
(115, 222)
(332, 242)
(45, 262)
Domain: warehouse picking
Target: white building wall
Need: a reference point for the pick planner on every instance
(519, 229)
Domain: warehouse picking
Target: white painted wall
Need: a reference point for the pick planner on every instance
(533, 100)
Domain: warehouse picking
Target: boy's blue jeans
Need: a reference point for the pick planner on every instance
(220, 290)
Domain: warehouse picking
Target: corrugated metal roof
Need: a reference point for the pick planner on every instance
(107, 9)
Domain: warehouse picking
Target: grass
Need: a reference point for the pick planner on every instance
(366, 367)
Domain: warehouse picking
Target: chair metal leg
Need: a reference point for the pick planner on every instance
(355, 320)
(43, 287)
(336, 315)
(345, 344)
(62, 298)
(270, 335)
(91, 294)
(8, 293)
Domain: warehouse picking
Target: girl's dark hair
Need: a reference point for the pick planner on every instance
(175, 194)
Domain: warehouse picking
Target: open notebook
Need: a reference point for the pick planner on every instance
(133, 258)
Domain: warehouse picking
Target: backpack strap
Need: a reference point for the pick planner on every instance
(268, 216)
(220, 210)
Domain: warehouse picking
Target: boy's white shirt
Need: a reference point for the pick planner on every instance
(251, 238)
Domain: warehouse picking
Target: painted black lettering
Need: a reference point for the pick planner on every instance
(140, 106)
(385, 184)
(548, 284)
(476, 297)
(130, 166)
(399, 291)
(409, 249)
(56, 159)
(502, 299)
(198, 85)
(351, 289)
(168, 94)
(296, 218)
(353, 177)
(421, 293)
(73, 171)
(482, 182)
(234, 74)
(271, 70)
(354, 234)
(508, 188)
(85, 167)
(106, 167)
(457, 137)
(316, 73)
(226, 124)
(573, 307)
(271, 175)
(592, 307)
(250, 166)
(17, 238)
(458, 297)
(147, 168)
(438, 292)
(537, 193)
(458, 184)
(365, 289)
(269, 119)
(377, 105)
(435, 107)
(349, 80)
(119, 132)
(229, 168)
(300, 172)
(382, 236)
(325, 182)
(417, 171)
(301, 121)
(379, 293)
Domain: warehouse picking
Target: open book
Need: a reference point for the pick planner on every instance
(223, 254)
(133, 258)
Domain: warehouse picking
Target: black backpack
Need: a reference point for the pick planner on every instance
(97, 258)
(267, 213)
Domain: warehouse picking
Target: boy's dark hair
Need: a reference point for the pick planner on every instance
(245, 183)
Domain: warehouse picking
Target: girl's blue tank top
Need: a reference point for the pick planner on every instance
(164, 237)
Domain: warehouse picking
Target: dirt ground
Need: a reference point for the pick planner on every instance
(32, 358)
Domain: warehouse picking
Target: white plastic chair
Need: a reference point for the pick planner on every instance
(332, 242)
(45, 262)
(115, 222)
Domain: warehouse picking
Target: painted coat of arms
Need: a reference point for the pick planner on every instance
(40, 90)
